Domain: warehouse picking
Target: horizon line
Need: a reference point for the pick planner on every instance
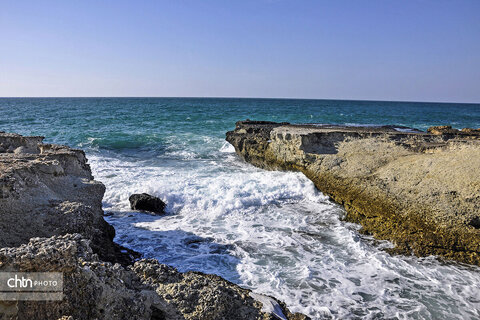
(229, 97)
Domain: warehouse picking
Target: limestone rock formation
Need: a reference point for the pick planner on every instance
(94, 289)
(419, 190)
(146, 202)
(448, 130)
(51, 220)
(48, 190)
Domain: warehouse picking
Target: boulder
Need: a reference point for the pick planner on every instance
(146, 202)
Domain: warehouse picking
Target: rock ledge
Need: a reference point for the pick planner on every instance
(419, 190)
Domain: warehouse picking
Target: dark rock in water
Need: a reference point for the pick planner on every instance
(146, 202)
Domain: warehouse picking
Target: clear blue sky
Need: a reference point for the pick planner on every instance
(380, 50)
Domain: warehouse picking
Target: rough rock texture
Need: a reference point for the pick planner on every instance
(419, 190)
(449, 131)
(195, 295)
(94, 289)
(48, 190)
(146, 202)
(51, 219)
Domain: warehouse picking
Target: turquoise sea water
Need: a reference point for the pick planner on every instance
(269, 231)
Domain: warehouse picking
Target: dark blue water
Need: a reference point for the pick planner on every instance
(269, 231)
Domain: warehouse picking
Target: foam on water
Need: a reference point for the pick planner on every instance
(275, 233)
(227, 147)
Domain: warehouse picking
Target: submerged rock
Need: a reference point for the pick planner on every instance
(418, 190)
(146, 202)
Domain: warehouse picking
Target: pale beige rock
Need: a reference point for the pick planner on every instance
(48, 190)
(419, 190)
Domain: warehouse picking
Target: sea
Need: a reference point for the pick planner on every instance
(269, 231)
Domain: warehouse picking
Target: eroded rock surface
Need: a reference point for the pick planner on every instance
(94, 289)
(48, 190)
(419, 190)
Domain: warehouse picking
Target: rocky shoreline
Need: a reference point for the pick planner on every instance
(419, 190)
(51, 219)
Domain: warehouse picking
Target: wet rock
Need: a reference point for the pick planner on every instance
(146, 202)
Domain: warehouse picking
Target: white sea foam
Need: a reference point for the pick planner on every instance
(408, 130)
(269, 305)
(227, 147)
(274, 233)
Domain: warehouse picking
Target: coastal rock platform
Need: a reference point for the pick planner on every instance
(419, 190)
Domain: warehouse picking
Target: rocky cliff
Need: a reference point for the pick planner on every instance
(51, 220)
(48, 190)
(419, 190)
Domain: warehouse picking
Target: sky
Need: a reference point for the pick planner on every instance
(407, 50)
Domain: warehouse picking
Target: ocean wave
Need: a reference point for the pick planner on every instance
(195, 188)
(275, 233)
(122, 141)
